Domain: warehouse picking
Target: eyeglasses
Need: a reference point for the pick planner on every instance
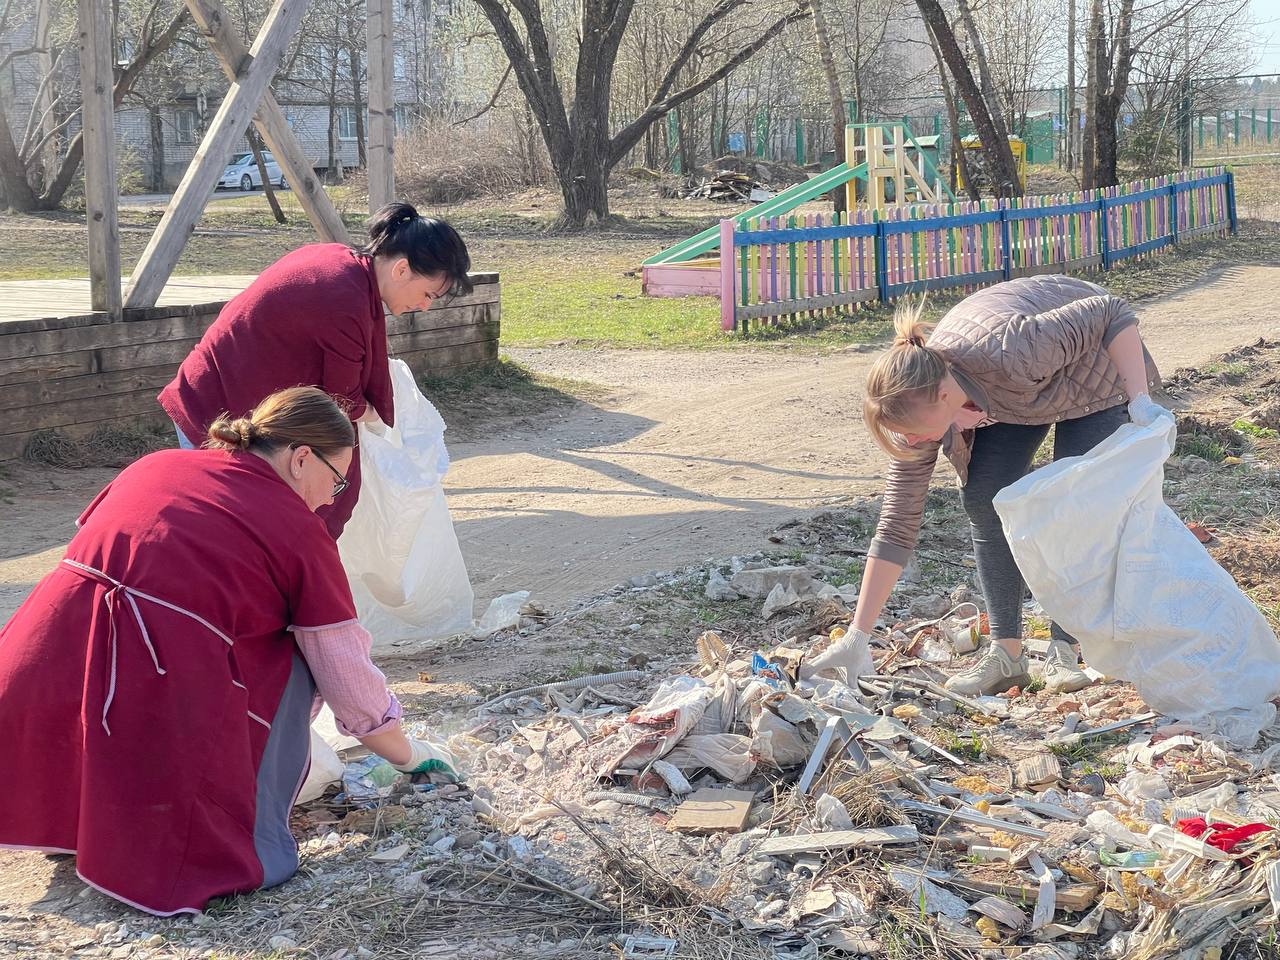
(342, 482)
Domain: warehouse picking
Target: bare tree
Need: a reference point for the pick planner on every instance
(1119, 38)
(822, 39)
(575, 125)
(996, 147)
(160, 24)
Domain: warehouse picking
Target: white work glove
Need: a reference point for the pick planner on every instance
(847, 659)
(430, 758)
(1144, 411)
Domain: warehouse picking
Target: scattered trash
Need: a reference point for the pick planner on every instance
(640, 948)
(502, 612)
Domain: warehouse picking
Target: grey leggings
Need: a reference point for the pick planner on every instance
(1002, 454)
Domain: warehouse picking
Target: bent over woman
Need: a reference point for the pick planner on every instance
(984, 387)
(317, 317)
(156, 689)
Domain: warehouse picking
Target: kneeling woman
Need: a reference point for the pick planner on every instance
(156, 688)
(984, 387)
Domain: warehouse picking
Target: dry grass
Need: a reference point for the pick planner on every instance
(108, 446)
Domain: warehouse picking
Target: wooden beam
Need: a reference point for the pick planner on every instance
(380, 30)
(166, 244)
(101, 200)
(216, 25)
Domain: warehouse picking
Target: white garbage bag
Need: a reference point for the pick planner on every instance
(326, 768)
(1117, 569)
(399, 548)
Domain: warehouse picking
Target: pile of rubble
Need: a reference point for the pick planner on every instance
(730, 187)
(853, 814)
(735, 791)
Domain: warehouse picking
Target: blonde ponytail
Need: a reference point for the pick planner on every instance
(905, 376)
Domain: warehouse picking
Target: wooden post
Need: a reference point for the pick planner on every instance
(728, 270)
(219, 29)
(165, 247)
(98, 121)
(380, 28)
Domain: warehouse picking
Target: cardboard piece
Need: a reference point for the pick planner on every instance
(712, 809)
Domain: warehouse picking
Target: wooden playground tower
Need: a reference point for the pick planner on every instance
(249, 99)
(887, 150)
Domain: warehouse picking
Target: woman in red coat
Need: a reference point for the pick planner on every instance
(156, 689)
(316, 317)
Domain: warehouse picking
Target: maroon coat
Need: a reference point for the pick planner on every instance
(312, 318)
(154, 704)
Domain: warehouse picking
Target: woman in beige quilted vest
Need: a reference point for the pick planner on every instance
(984, 387)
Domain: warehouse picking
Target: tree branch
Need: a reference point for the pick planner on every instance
(663, 104)
(492, 100)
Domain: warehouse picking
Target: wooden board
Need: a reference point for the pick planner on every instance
(837, 840)
(714, 809)
(1074, 897)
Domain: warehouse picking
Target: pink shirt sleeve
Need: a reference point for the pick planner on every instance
(347, 680)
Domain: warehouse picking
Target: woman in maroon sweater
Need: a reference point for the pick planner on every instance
(317, 317)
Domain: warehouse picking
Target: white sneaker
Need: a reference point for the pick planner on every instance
(995, 672)
(1062, 673)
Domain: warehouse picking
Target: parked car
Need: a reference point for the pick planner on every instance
(243, 172)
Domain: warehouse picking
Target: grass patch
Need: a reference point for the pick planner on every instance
(1227, 372)
(477, 396)
(1207, 440)
(1250, 429)
(1090, 752)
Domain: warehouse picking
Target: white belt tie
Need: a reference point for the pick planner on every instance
(131, 596)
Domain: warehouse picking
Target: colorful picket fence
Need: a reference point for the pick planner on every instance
(804, 266)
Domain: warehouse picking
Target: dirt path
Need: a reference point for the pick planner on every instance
(699, 452)
(693, 456)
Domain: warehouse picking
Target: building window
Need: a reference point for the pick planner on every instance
(346, 123)
(401, 71)
(185, 122)
(402, 120)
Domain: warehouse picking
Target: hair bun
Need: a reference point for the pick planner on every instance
(234, 433)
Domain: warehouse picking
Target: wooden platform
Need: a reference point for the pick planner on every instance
(66, 368)
(37, 299)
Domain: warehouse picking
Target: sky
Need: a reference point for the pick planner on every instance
(1266, 35)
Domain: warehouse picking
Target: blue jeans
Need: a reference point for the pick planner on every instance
(183, 442)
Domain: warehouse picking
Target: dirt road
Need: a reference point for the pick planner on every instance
(698, 452)
(692, 456)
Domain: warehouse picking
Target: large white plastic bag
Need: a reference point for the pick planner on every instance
(1117, 569)
(399, 548)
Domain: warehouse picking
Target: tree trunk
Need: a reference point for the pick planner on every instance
(156, 123)
(1095, 58)
(996, 147)
(989, 93)
(585, 191)
(959, 164)
(268, 190)
(1114, 85)
(836, 98)
(1070, 119)
(17, 189)
(353, 57)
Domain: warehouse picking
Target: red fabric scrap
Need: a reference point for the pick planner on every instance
(1223, 836)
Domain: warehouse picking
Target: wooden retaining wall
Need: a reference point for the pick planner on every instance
(76, 374)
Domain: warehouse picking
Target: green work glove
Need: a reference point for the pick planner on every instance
(430, 758)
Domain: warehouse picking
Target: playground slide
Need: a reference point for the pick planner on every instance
(784, 202)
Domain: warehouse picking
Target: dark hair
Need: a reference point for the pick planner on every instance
(297, 417)
(430, 245)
